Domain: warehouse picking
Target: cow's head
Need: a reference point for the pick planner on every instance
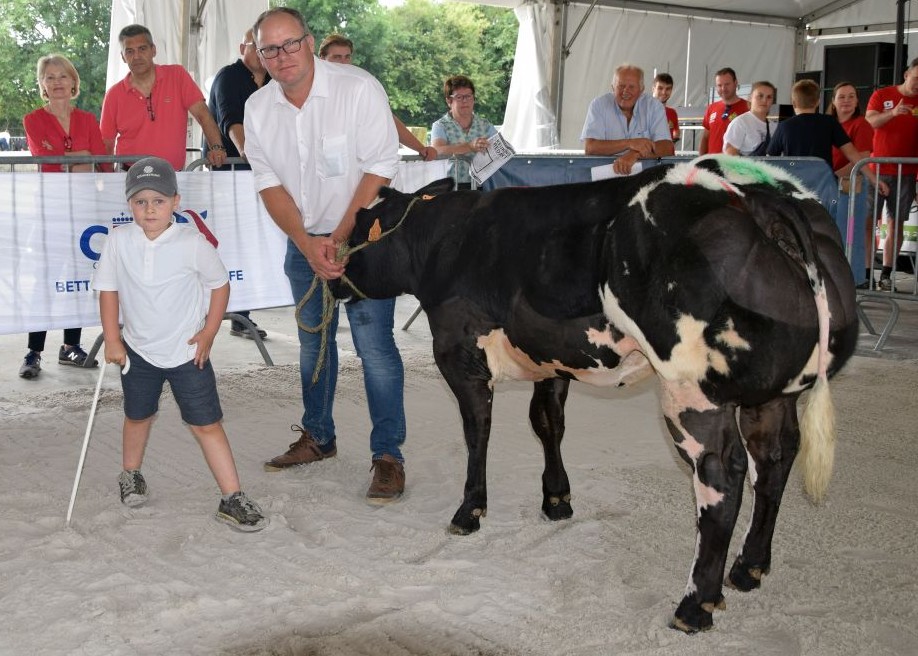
(379, 264)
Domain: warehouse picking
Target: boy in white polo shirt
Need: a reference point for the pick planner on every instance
(172, 291)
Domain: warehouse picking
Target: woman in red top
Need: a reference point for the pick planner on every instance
(846, 108)
(60, 129)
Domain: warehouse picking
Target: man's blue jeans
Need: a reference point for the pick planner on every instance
(371, 324)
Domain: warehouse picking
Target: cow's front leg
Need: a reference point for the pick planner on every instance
(466, 372)
(546, 413)
(772, 438)
(708, 439)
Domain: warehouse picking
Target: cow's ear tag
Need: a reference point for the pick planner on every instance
(427, 197)
(375, 231)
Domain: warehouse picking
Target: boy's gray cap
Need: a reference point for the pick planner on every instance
(151, 173)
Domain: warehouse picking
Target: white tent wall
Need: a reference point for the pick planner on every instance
(689, 49)
(529, 120)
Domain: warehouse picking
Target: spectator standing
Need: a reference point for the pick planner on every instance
(59, 129)
(718, 115)
(891, 111)
(749, 132)
(168, 285)
(662, 90)
(339, 49)
(232, 86)
(321, 142)
(810, 134)
(846, 108)
(460, 131)
(146, 113)
(626, 122)
(4, 140)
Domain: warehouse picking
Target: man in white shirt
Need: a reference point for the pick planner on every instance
(627, 122)
(321, 142)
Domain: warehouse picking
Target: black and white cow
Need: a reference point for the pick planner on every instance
(722, 276)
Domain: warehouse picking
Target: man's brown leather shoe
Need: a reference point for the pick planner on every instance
(302, 452)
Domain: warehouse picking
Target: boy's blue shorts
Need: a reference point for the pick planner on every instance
(195, 390)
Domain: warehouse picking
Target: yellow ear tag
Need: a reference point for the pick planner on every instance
(375, 231)
(427, 197)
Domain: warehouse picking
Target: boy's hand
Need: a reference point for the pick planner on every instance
(115, 353)
(205, 342)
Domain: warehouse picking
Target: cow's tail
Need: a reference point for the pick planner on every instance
(817, 424)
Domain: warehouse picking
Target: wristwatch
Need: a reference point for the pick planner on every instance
(217, 147)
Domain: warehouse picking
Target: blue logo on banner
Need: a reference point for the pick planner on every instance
(122, 219)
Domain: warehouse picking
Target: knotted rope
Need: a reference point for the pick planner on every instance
(328, 301)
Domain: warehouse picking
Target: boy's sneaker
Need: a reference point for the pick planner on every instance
(388, 481)
(31, 366)
(76, 356)
(133, 488)
(241, 513)
(239, 330)
(886, 285)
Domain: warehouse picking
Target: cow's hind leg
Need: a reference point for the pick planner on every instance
(772, 438)
(546, 412)
(709, 441)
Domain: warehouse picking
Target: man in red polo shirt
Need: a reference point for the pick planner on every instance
(719, 114)
(891, 113)
(146, 113)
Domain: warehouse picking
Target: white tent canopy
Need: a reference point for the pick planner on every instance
(760, 39)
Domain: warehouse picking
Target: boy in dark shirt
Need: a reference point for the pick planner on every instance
(808, 134)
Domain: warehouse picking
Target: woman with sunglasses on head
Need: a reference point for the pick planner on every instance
(460, 131)
(58, 129)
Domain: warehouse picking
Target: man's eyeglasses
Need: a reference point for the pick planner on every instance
(289, 46)
(150, 107)
(68, 144)
(465, 97)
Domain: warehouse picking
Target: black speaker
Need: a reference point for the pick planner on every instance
(868, 66)
(865, 64)
(785, 112)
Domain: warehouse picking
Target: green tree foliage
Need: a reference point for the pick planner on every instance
(29, 29)
(414, 47)
(411, 48)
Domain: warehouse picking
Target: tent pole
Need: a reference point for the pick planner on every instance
(898, 64)
(561, 57)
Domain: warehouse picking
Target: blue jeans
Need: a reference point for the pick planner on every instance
(371, 324)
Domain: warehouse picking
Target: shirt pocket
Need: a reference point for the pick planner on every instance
(332, 161)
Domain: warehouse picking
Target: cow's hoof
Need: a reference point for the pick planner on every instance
(556, 508)
(745, 577)
(692, 617)
(465, 522)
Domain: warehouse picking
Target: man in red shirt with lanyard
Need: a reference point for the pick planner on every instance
(719, 114)
(891, 113)
(146, 113)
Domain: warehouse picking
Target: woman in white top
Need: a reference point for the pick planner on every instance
(748, 130)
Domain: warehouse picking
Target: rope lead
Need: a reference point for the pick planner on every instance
(329, 301)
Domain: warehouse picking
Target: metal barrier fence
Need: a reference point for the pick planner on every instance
(908, 248)
(37, 205)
